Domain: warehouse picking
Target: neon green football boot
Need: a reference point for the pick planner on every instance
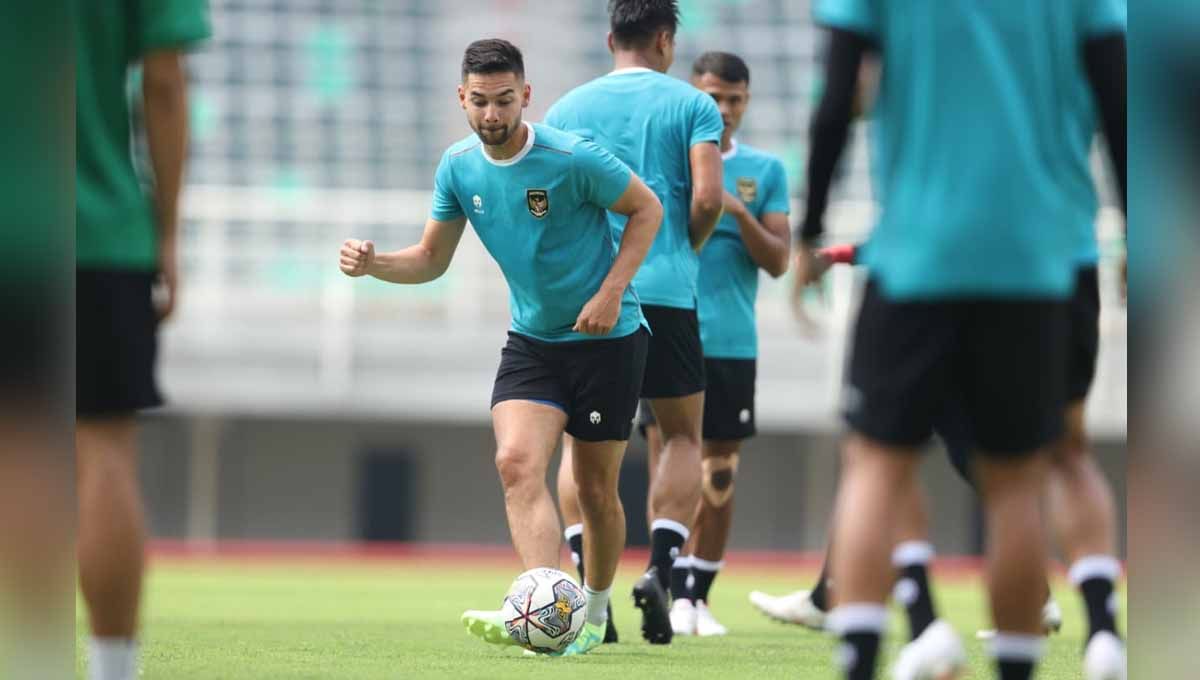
(591, 637)
(487, 626)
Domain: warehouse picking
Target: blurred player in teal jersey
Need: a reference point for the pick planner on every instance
(974, 255)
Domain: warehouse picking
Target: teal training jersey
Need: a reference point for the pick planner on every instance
(650, 121)
(728, 276)
(981, 136)
(543, 216)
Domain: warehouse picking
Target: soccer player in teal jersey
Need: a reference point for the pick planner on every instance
(981, 165)
(668, 132)
(125, 242)
(538, 198)
(753, 235)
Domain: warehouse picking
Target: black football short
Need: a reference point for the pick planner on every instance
(675, 362)
(729, 399)
(1083, 343)
(116, 343)
(595, 382)
(1003, 358)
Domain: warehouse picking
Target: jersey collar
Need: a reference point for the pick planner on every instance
(630, 69)
(520, 154)
(733, 150)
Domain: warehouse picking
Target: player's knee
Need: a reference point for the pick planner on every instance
(595, 496)
(718, 476)
(515, 465)
(108, 470)
(684, 437)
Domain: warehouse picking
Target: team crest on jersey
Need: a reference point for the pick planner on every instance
(747, 188)
(539, 202)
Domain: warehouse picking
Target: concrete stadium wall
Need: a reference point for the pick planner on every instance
(302, 479)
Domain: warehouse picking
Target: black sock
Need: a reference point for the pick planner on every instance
(861, 628)
(1096, 577)
(680, 571)
(666, 540)
(574, 534)
(860, 664)
(1015, 670)
(912, 584)
(1097, 595)
(917, 602)
(703, 575)
(820, 592)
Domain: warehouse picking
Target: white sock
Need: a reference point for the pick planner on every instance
(912, 553)
(1106, 567)
(863, 617)
(1017, 647)
(597, 606)
(112, 659)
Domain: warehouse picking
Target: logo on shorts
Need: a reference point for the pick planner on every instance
(747, 188)
(478, 203)
(744, 416)
(538, 201)
(595, 417)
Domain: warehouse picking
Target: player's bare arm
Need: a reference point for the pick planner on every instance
(768, 240)
(164, 92)
(645, 213)
(708, 176)
(418, 263)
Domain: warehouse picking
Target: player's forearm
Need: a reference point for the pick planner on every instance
(415, 264)
(768, 249)
(164, 91)
(639, 235)
(703, 219)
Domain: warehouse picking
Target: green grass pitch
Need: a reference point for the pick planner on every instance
(222, 620)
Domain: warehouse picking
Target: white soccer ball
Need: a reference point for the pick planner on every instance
(544, 610)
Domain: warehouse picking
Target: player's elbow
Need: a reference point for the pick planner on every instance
(438, 265)
(706, 201)
(653, 210)
(778, 266)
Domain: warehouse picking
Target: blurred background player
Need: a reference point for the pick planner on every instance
(537, 198)
(125, 247)
(1080, 499)
(956, 308)
(668, 133)
(753, 234)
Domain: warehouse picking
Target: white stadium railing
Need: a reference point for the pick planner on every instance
(268, 325)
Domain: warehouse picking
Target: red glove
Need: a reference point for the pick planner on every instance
(843, 254)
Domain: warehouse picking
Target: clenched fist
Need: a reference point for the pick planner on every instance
(600, 314)
(357, 257)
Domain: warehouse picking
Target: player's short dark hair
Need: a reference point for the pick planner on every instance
(728, 67)
(634, 23)
(492, 55)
